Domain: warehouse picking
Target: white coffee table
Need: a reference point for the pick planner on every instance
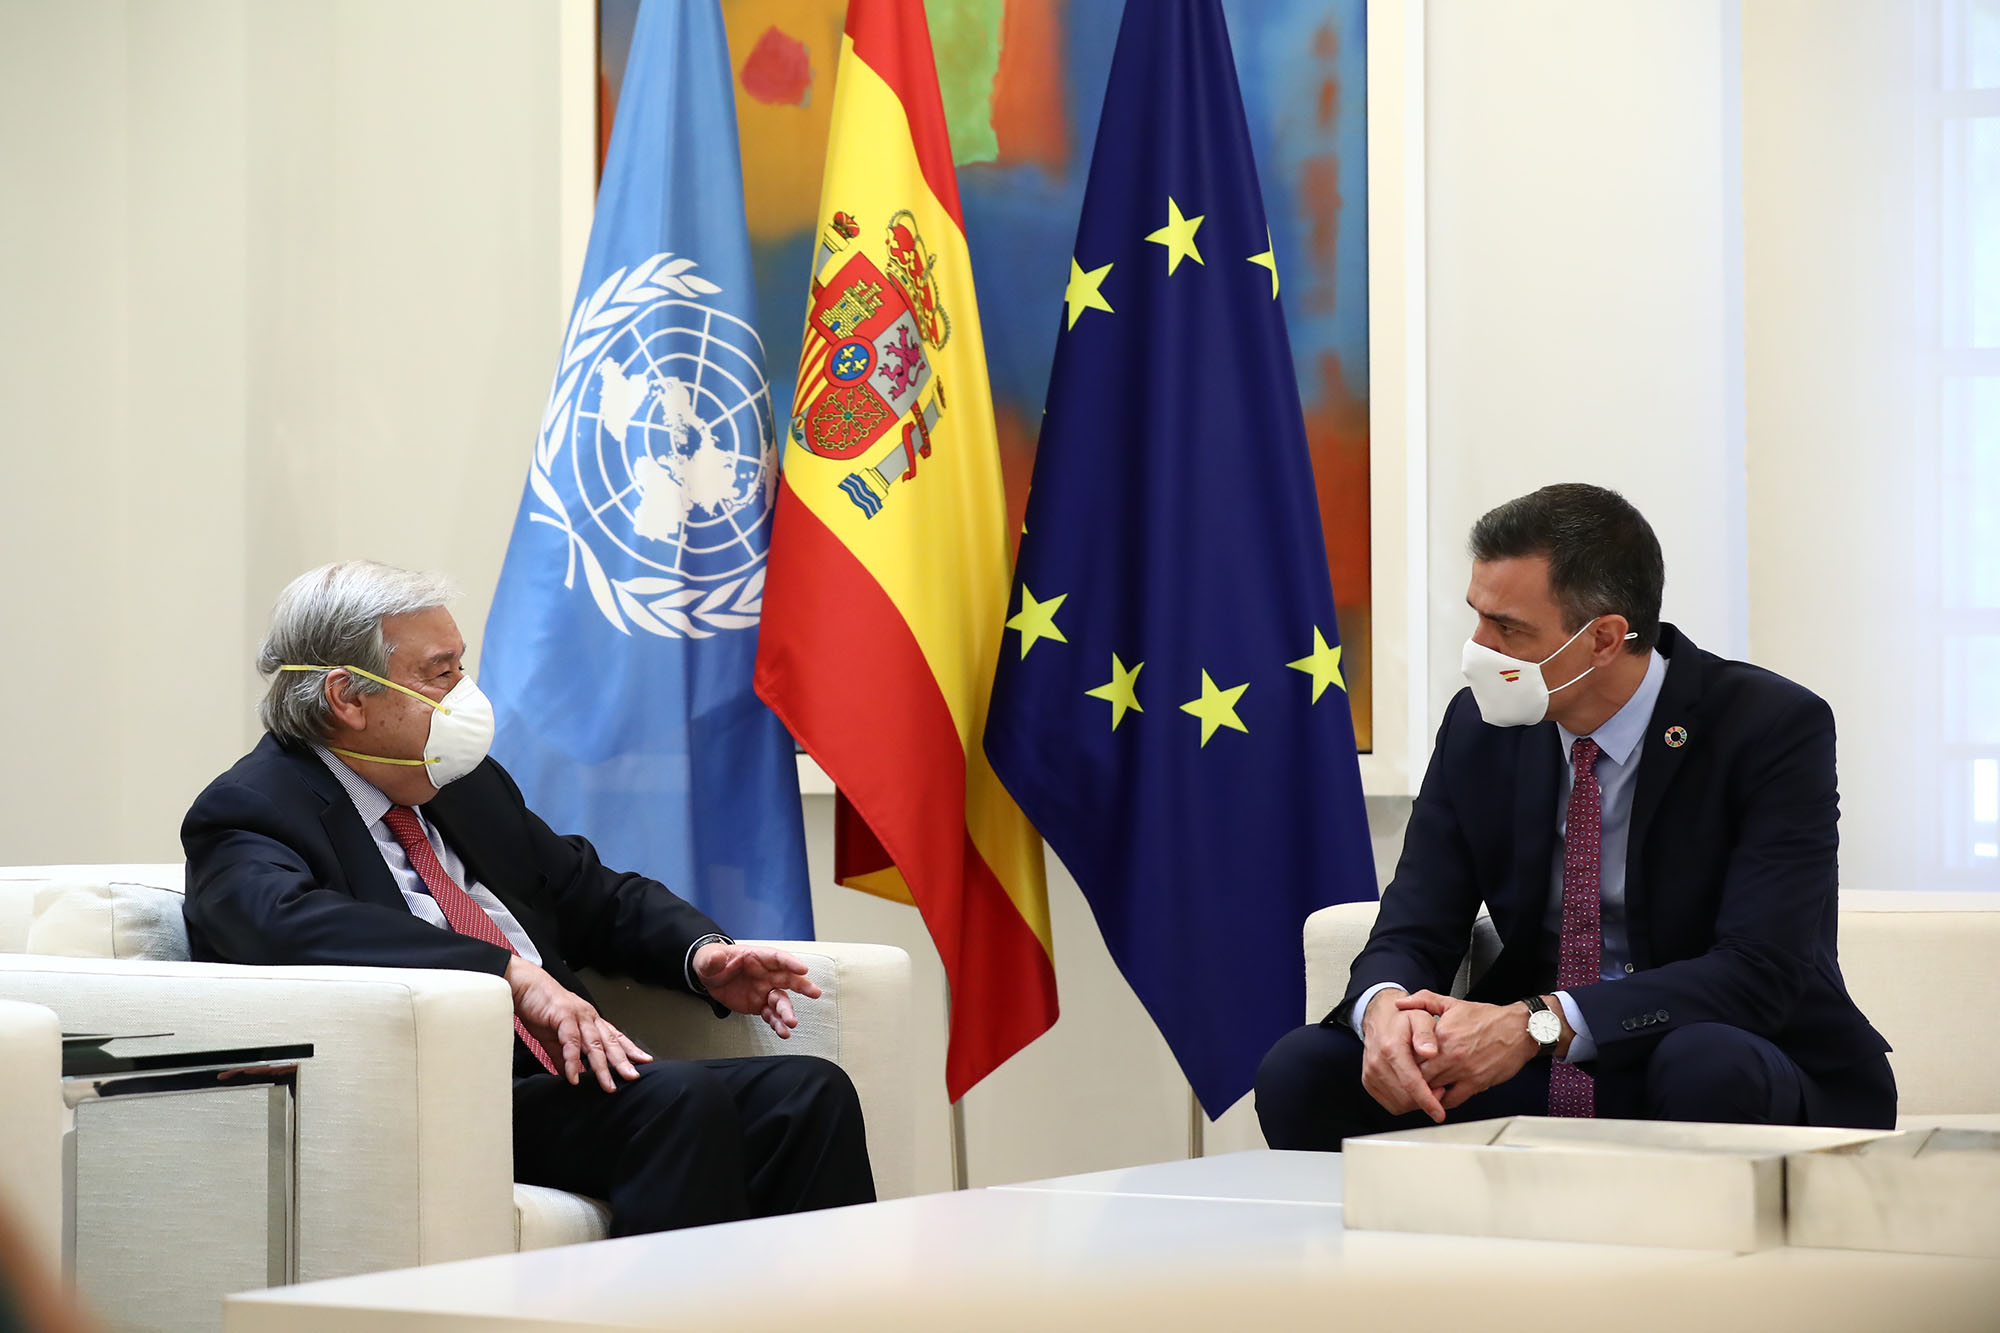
(1247, 1240)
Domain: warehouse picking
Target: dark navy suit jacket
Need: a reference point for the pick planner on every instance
(281, 870)
(1730, 879)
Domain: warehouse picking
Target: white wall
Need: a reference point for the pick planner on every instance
(282, 286)
(289, 279)
(121, 361)
(1584, 313)
(1838, 222)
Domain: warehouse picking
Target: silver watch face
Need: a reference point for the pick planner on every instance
(1544, 1026)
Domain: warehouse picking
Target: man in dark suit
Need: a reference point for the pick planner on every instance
(1653, 831)
(369, 828)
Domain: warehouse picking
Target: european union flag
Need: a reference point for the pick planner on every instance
(1169, 708)
(620, 646)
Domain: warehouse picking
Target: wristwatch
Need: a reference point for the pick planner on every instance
(1543, 1024)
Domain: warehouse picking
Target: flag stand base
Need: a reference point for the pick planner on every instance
(1195, 1122)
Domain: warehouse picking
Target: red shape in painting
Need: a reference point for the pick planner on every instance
(779, 70)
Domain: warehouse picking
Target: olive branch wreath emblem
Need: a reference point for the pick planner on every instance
(670, 608)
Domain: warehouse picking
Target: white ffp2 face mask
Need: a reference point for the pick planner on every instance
(1510, 692)
(461, 729)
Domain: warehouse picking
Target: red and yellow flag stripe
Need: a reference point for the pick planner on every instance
(887, 589)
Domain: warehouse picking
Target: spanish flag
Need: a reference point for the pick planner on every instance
(886, 595)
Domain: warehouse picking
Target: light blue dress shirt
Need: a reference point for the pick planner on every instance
(1619, 751)
(372, 804)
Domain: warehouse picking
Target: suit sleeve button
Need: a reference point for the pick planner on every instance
(1660, 1016)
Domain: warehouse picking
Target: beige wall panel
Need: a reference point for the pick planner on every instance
(408, 208)
(68, 446)
(1584, 299)
(181, 522)
(1841, 584)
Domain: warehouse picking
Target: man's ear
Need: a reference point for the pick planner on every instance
(345, 706)
(1607, 639)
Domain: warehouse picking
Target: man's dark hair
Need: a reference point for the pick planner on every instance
(1603, 557)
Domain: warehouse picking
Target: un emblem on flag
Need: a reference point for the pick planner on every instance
(659, 435)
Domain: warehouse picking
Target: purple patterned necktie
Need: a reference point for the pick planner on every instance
(1580, 943)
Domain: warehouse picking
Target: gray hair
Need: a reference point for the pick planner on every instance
(331, 617)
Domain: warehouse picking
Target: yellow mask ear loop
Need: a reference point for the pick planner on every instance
(377, 758)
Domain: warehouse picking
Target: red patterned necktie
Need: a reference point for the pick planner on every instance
(466, 916)
(1580, 943)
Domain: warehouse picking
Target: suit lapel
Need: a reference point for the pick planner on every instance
(368, 876)
(1659, 764)
(1537, 784)
(454, 823)
(472, 837)
(464, 814)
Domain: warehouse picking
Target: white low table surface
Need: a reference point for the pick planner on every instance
(1227, 1242)
(1311, 1178)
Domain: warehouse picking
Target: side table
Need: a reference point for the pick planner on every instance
(156, 1067)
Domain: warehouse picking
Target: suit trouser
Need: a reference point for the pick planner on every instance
(1309, 1092)
(698, 1141)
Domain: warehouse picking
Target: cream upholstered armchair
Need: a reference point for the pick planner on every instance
(405, 1149)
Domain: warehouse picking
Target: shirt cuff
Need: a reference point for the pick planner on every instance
(1361, 1005)
(687, 964)
(1581, 1046)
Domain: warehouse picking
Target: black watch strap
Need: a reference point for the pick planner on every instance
(1536, 1005)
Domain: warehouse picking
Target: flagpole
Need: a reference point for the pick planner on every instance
(1195, 1120)
(960, 1171)
(958, 1165)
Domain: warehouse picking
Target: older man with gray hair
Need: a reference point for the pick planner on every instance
(370, 828)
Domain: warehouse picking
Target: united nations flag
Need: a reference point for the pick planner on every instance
(1169, 708)
(623, 634)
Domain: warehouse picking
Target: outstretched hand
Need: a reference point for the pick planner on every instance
(754, 979)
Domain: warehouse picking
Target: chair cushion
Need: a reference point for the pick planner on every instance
(108, 917)
(546, 1217)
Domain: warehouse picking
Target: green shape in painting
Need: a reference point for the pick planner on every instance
(965, 39)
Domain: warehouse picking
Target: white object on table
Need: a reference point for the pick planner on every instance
(1622, 1182)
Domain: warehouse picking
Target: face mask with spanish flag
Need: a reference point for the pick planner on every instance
(1510, 692)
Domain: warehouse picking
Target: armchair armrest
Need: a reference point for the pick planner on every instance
(31, 1122)
(861, 1022)
(405, 1113)
(1334, 935)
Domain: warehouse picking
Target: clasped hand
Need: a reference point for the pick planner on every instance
(1429, 1052)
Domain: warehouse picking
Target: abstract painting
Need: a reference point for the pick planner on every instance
(1022, 81)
